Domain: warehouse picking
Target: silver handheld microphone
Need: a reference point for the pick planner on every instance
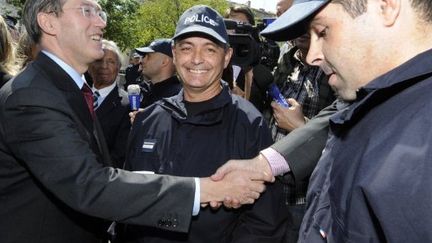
(134, 94)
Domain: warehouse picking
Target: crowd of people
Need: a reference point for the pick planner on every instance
(212, 156)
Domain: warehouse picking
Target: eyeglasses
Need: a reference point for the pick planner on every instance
(91, 11)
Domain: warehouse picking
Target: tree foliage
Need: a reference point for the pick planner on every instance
(132, 23)
(17, 3)
(158, 18)
(121, 18)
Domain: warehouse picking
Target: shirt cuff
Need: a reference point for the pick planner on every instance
(196, 206)
(277, 162)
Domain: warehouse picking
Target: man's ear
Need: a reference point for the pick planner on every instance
(47, 22)
(390, 10)
(173, 53)
(228, 55)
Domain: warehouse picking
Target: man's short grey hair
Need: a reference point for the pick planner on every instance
(112, 46)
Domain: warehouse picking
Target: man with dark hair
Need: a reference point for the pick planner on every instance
(240, 13)
(56, 183)
(194, 132)
(372, 183)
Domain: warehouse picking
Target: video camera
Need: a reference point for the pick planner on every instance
(248, 48)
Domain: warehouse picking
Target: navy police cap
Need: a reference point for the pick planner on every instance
(158, 45)
(202, 19)
(294, 22)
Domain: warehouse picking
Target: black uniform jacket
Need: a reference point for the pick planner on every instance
(171, 137)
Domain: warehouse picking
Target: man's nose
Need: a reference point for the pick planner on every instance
(315, 56)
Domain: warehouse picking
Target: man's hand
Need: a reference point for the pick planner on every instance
(241, 186)
(132, 114)
(257, 169)
(288, 118)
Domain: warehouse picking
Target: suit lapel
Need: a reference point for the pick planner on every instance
(77, 103)
(71, 91)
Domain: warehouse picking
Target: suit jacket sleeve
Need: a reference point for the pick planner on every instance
(302, 147)
(45, 137)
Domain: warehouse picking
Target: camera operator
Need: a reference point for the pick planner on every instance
(240, 75)
(236, 75)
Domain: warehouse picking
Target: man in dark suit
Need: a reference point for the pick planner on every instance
(111, 103)
(55, 181)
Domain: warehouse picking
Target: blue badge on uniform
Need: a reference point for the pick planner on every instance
(149, 145)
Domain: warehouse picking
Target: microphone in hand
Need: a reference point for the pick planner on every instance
(134, 94)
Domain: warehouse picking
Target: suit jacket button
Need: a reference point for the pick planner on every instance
(168, 223)
(160, 222)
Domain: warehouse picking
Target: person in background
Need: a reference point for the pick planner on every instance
(56, 182)
(111, 103)
(373, 178)
(194, 132)
(9, 65)
(282, 6)
(239, 81)
(27, 49)
(11, 24)
(243, 80)
(158, 69)
(133, 72)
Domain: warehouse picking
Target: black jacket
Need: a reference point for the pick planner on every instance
(167, 138)
(113, 115)
(164, 89)
(373, 181)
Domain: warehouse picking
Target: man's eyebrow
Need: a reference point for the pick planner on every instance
(91, 3)
(316, 19)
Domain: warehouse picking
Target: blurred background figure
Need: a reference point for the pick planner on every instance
(249, 69)
(133, 71)
(27, 49)
(12, 25)
(9, 65)
(306, 88)
(158, 70)
(282, 6)
(234, 74)
(111, 103)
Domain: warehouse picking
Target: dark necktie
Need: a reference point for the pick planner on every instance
(96, 96)
(88, 95)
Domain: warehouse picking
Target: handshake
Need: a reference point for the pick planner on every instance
(236, 183)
